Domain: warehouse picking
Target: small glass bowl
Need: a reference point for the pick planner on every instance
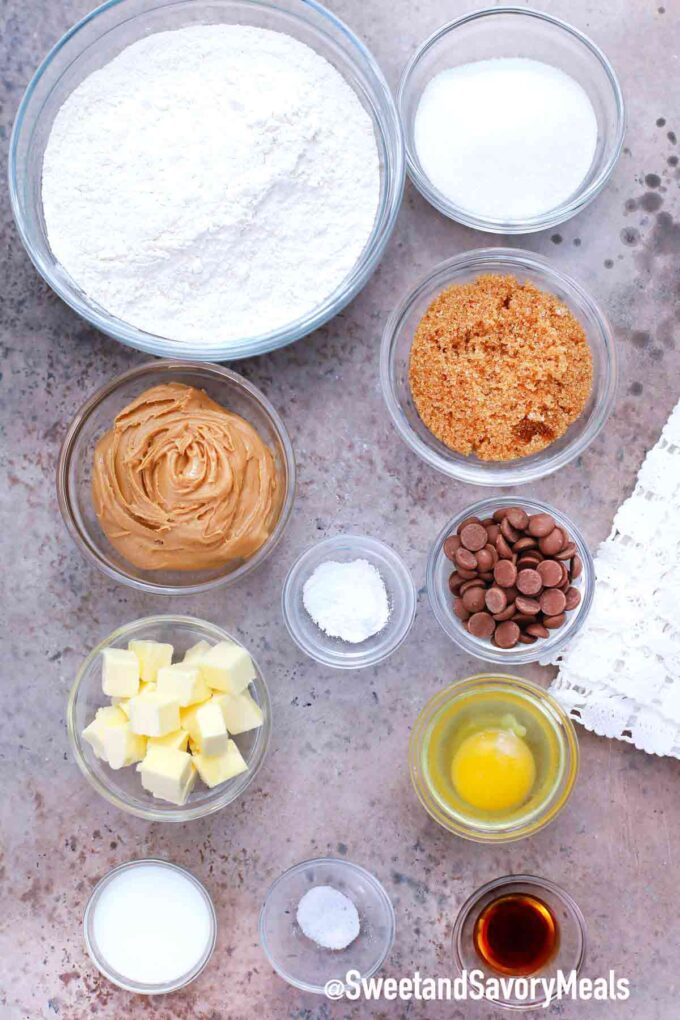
(96, 416)
(571, 948)
(511, 32)
(439, 568)
(558, 725)
(332, 651)
(100, 962)
(100, 36)
(297, 959)
(396, 352)
(123, 787)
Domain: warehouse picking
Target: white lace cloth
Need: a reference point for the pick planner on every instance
(620, 677)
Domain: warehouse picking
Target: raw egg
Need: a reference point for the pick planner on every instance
(493, 770)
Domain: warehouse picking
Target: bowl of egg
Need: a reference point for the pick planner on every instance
(169, 718)
(493, 758)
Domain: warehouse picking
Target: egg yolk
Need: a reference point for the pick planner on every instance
(493, 770)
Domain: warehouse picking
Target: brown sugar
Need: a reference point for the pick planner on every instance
(499, 368)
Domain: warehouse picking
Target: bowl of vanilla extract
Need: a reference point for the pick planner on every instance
(493, 758)
(520, 932)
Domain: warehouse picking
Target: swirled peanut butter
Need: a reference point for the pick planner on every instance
(180, 483)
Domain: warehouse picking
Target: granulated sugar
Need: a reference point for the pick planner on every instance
(505, 139)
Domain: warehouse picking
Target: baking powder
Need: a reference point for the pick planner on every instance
(347, 600)
(211, 183)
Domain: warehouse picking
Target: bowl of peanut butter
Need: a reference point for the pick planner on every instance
(176, 477)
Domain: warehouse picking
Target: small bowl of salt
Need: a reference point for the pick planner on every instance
(349, 601)
(323, 919)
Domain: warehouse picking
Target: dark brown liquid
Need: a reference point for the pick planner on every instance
(516, 934)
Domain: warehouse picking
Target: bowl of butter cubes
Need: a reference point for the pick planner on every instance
(169, 718)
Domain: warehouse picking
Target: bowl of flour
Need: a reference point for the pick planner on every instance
(207, 180)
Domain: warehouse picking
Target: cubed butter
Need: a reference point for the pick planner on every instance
(197, 651)
(177, 740)
(124, 703)
(154, 714)
(216, 769)
(241, 712)
(168, 774)
(209, 731)
(112, 739)
(183, 682)
(120, 673)
(227, 667)
(151, 655)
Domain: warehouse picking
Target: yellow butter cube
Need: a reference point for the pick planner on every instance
(197, 651)
(151, 655)
(183, 682)
(112, 739)
(209, 731)
(154, 714)
(241, 712)
(227, 667)
(216, 769)
(178, 740)
(120, 673)
(168, 774)
(124, 703)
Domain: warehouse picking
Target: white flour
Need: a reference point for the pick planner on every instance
(507, 138)
(211, 183)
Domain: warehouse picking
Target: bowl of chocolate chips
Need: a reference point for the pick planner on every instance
(510, 581)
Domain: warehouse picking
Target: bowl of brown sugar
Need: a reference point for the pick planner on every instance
(498, 368)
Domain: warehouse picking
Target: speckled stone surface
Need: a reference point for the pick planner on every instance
(335, 780)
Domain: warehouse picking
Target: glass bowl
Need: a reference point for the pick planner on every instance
(555, 725)
(571, 948)
(123, 787)
(104, 33)
(439, 569)
(517, 32)
(99, 959)
(396, 350)
(297, 959)
(332, 651)
(74, 471)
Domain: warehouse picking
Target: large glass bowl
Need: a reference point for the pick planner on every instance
(123, 787)
(95, 417)
(396, 352)
(97, 39)
(497, 32)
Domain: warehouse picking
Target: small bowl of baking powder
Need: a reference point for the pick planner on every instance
(349, 601)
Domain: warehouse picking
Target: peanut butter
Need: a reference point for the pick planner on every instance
(180, 483)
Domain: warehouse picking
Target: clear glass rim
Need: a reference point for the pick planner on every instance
(509, 880)
(118, 979)
(554, 802)
(353, 658)
(394, 172)
(302, 866)
(487, 472)
(178, 813)
(521, 654)
(80, 419)
(554, 216)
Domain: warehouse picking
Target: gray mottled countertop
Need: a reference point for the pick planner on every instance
(335, 780)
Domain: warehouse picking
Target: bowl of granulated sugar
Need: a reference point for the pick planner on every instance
(513, 120)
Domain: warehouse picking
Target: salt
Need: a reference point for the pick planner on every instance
(505, 139)
(347, 600)
(151, 923)
(328, 917)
